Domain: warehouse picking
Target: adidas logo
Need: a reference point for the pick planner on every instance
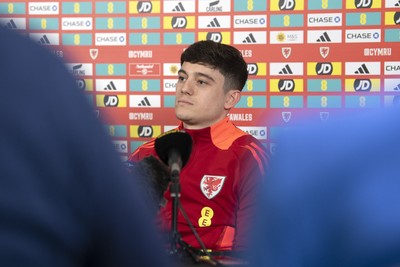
(144, 103)
(214, 24)
(249, 39)
(362, 70)
(286, 70)
(110, 86)
(10, 25)
(324, 38)
(179, 8)
(397, 4)
(44, 40)
(397, 88)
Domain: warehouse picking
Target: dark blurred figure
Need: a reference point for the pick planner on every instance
(65, 197)
(333, 196)
(154, 177)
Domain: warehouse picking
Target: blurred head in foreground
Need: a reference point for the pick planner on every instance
(332, 197)
(65, 197)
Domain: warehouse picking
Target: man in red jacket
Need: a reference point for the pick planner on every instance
(220, 181)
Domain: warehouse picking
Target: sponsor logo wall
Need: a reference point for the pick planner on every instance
(305, 58)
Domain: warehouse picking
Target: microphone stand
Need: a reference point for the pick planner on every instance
(175, 191)
(178, 246)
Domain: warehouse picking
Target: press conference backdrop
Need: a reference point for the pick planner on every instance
(313, 58)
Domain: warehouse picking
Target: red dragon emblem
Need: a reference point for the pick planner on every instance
(211, 185)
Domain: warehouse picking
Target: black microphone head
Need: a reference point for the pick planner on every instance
(178, 140)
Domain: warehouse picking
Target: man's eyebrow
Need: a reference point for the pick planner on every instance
(201, 74)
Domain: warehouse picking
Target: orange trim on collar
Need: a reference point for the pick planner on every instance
(224, 133)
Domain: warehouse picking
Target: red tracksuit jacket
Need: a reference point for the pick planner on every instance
(219, 185)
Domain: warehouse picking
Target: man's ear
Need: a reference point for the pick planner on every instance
(232, 98)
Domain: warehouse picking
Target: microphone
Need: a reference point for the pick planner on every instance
(174, 148)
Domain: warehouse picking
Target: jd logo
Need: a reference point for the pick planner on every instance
(287, 4)
(362, 85)
(286, 85)
(111, 101)
(144, 7)
(214, 36)
(363, 3)
(324, 68)
(179, 22)
(252, 68)
(145, 131)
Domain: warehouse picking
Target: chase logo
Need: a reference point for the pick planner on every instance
(250, 21)
(258, 69)
(76, 24)
(107, 39)
(145, 131)
(144, 7)
(43, 8)
(277, 5)
(169, 85)
(257, 132)
(392, 68)
(324, 20)
(118, 101)
(179, 22)
(359, 4)
(324, 68)
(120, 146)
(363, 36)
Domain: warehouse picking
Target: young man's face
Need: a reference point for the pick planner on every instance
(200, 96)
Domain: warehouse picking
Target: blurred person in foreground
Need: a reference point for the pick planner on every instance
(333, 195)
(65, 197)
(220, 182)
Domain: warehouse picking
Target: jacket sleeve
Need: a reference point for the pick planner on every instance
(253, 163)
